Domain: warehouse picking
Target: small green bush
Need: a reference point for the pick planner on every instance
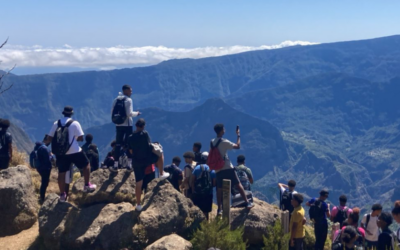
(217, 234)
(276, 238)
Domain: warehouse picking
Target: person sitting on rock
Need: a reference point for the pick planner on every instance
(175, 172)
(109, 160)
(140, 148)
(203, 183)
(64, 136)
(93, 155)
(187, 174)
(6, 149)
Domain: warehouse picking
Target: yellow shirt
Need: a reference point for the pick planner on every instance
(297, 217)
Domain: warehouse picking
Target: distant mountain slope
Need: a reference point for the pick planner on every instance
(36, 100)
(177, 131)
(335, 114)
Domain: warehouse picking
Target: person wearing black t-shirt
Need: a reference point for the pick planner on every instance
(386, 238)
(5, 144)
(175, 172)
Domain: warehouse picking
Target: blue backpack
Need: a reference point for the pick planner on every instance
(34, 157)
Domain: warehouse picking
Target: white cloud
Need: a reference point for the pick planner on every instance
(112, 57)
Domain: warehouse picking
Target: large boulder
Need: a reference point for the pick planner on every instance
(255, 221)
(117, 226)
(171, 242)
(111, 188)
(18, 201)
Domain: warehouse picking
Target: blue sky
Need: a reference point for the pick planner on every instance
(193, 24)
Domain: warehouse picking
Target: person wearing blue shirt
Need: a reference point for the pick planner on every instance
(320, 218)
(203, 189)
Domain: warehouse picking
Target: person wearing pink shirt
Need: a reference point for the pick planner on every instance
(340, 213)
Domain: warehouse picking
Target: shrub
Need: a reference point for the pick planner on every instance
(276, 238)
(18, 158)
(216, 234)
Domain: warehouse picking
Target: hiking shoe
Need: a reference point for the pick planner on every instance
(89, 188)
(165, 175)
(63, 197)
(249, 205)
(129, 169)
(139, 208)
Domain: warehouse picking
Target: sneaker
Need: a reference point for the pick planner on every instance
(63, 197)
(249, 205)
(89, 188)
(165, 175)
(129, 169)
(139, 208)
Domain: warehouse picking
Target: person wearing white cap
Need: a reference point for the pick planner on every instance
(203, 183)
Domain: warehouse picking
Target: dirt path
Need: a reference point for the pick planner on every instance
(21, 241)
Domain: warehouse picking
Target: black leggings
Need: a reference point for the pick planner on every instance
(45, 174)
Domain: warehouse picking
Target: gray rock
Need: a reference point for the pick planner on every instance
(171, 242)
(18, 202)
(111, 188)
(255, 221)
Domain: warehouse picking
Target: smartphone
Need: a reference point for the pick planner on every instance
(237, 128)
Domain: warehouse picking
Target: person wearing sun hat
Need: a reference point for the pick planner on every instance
(64, 136)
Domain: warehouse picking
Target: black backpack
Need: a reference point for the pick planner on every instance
(341, 216)
(338, 240)
(316, 212)
(60, 143)
(286, 199)
(119, 112)
(203, 184)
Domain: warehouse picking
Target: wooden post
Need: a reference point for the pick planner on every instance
(226, 200)
(285, 221)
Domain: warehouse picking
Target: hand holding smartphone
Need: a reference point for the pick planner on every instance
(238, 130)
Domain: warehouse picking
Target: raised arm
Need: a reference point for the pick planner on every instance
(237, 145)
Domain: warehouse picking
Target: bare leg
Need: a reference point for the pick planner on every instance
(160, 164)
(138, 192)
(61, 182)
(242, 193)
(86, 174)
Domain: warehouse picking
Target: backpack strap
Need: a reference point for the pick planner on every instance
(367, 222)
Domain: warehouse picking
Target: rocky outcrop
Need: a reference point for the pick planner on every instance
(111, 188)
(171, 242)
(255, 221)
(18, 203)
(117, 226)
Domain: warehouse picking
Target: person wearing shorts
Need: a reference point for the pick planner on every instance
(74, 155)
(139, 144)
(149, 175)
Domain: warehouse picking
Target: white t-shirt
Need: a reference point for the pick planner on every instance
(223, 147)
(284, 189)
(372, 228)
(75, 130)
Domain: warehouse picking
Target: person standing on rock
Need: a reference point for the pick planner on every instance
(5, 144)
(64, 136)
(121, 115)
(141, 149)
(296, 226)
(287, 192)
(227, 171)
(41, 161)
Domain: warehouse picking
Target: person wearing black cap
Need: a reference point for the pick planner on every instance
(124, 128)
(319, 212)
(64, 136)
(197, 153)
(175, 173)
(5, 144)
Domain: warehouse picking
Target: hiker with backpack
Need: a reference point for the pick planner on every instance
(121, 115)
(143, 155)
(218, 160)
(396, 217)
(287, 192)
(64, 136)
(347, 240)
(340, 213)
(40, 159)
(203, 183)
(197, 153)
(6, 149)
(387, 239)
(175, 173)
(296, 225)
(319, 213)
(352, 220)
(369, 223)
(187, 174)
(246, 179)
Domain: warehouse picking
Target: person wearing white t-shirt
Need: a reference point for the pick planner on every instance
(369, 223)
(288, 192)
(74, 155)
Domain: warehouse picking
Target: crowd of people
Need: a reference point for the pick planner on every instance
(202, 173)
(373, 233)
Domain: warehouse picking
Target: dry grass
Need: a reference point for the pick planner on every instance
(18, 158)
